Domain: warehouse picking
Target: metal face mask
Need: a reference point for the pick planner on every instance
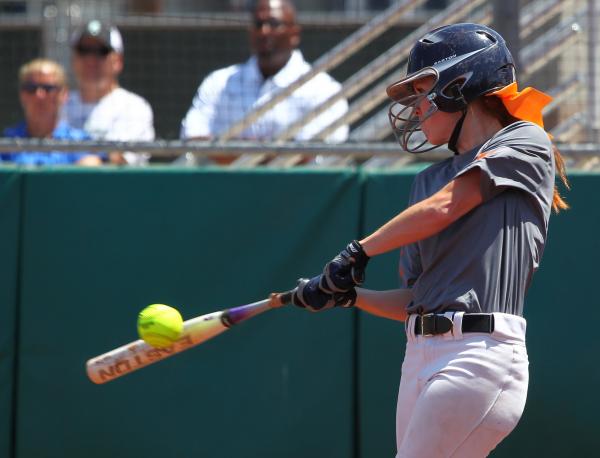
(402, 113)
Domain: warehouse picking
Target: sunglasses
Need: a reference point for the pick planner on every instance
(272, 23)
(101, 51)
(32, 88)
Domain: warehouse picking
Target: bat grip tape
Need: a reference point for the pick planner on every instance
(286, 297)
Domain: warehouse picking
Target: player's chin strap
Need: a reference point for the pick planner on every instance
(456, 132)
(458, 96)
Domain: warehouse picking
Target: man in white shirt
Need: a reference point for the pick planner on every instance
(228, 94)
(100, 106)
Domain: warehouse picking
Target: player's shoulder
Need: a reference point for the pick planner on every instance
(521, 134)
(432, 174)
(435, 168)
(526, 128)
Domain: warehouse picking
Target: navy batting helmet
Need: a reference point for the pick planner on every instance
(466, 61)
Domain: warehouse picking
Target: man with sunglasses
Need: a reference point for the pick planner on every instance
(228, 94)
(100, 106)
(43, 92)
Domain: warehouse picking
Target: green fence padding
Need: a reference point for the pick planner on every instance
(10, 195)
(101, 245)
(382, 341)
(560, 418)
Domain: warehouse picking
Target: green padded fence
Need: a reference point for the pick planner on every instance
(84, 250)
(10, 193)
(100, 245)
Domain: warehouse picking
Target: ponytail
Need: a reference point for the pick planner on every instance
(558, 203)
(496, 108)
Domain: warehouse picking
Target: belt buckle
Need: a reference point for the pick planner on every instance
(441, 326)
(422, 318)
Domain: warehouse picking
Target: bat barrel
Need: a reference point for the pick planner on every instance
(138, 354)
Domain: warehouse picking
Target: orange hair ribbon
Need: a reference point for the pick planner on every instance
(526, 105)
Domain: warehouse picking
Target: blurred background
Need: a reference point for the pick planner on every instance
(84, 249)
(171, 45)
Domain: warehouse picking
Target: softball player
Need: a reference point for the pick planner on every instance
(470, 241)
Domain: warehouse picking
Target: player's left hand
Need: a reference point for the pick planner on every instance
(346, 270)
(309, 295)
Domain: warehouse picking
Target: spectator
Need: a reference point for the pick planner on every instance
(101, 106)
(43, 92)
(228, 94)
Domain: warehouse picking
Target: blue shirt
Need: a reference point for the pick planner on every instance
(62, 132)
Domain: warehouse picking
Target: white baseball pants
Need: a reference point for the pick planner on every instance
(460, 395)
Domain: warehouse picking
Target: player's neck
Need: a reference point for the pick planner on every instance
(478, 127)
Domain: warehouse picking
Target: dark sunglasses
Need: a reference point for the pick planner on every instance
(101, 51)
(32, 88)
(272, 23)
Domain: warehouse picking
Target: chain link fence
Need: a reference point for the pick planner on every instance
(172, 45)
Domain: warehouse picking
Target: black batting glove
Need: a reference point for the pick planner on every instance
(346, 270)
(310, 296)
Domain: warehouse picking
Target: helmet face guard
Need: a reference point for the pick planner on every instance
(402, 112)
(465, 60)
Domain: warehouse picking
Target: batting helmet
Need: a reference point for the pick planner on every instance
(466, 61)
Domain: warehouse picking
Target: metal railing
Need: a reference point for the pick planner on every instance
(560, 54)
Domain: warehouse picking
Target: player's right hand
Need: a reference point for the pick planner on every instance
(346, 270)
(310, 296)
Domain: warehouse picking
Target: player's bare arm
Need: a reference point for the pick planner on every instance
(427, 217)
(386, 304)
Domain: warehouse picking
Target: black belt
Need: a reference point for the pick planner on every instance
(432, 324)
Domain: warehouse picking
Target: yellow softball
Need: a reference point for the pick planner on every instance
(160, 325)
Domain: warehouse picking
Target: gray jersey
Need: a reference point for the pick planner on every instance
(484, 261)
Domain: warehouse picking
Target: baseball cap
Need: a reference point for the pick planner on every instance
(107, 34)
